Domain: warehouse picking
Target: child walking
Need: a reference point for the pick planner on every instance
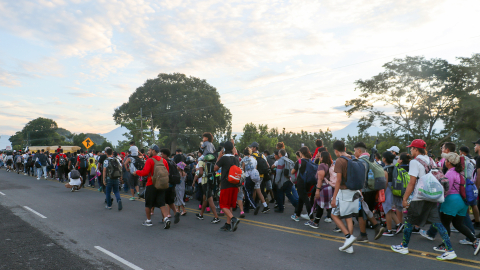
(180, 189)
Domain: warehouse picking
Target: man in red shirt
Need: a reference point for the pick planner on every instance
(153, 197)
(61, 167)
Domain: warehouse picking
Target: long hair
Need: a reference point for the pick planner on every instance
(326, 158)
(306, 152)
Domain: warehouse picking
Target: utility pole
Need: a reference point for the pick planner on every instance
(141, 126)
(151, 131)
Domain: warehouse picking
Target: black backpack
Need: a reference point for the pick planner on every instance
(83, 162)
(262, 165)
(75, 174)
(114, 169)
(62, 160)
(173, 174)
(138, 162)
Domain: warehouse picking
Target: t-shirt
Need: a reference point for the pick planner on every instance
(201, 164)
(225, 162)
(323, 167)
(341, 166)
(389, 171)
(416, 169)
(250, 164)
(208, 148)
(453, 181)
(149, 167)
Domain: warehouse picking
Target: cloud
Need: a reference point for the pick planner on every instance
(82, 95)
(8, 79)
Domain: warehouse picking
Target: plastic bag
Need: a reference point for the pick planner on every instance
(429, 189)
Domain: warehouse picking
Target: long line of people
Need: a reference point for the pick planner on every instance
(389, 192)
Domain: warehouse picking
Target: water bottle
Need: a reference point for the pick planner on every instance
(408, 202)
(371, 176)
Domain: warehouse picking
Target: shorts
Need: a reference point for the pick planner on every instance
(9, 162)
(268, 185)
(132, 180)
(170, 196)
(370, 198)
(391, 200)
(154, 197)
(207, 189)
(257, 182)
(421, 212)
(454, 206)
(228, 197)
(347, 204)
(240, 194)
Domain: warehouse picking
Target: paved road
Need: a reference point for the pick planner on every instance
(76, 223)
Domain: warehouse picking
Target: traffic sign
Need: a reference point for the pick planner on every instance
(8, 147)
(88, 143)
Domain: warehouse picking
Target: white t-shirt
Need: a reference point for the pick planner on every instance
(416, 169)
(74, 182)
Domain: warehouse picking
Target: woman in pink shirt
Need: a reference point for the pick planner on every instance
(454, 209)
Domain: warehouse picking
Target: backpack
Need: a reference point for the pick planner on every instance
(262, 165)
(234, 175)
(469, 167)
(332, 176)
(62, 161)
(375, 175)
(114, 169)
(83, 162)
(309, 174)
(471, 192)
(289, 165)
(355, 173)
(19, 159)
(400, 181)
(136, 163)
(75, 174)
(160, 177)
(436, 172)
(173, 174)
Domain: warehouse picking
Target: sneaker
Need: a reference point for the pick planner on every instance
(38, 178)
(120, 206)
(362, 239)
(440, 248)
(235, 222)
(465, 242)
(400, 228)
(400, 249)
(221, 213)
(176, 218)
(295, 218)
(132, 199)
(73, 189)
(476, 247)
(167, 223)
(389, 233)
(337, 229)
(313, 225)
(257, 209)
(348, 250)
(449, 255)
(265, 210)
(147, 223)
(379, 230)
(327, 220)
(453, 230)
(348, 243)
(199, 216)
(226, 227)
(242, 214)
(215, 220)
(108, 207)
(276, 206)
(278, 211)
(24, 174)
(416, 230)
(305, 216)
(307, 223)
(424, 234)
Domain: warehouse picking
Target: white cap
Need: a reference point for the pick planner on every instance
(134, 150)
(395, 149)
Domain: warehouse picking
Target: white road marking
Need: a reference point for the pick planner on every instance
(35, 212)
(127, 263)
(2, 193)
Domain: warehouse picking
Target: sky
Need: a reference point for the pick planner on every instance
(288, 64)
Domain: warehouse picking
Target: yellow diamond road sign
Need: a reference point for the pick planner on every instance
(88, 143)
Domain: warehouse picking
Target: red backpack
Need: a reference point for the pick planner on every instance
(234, 175)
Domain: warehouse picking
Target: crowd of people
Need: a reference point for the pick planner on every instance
(390, 192)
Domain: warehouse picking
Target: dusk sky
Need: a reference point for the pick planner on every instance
(287, 64)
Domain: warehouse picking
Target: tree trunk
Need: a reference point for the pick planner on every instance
(173, 145)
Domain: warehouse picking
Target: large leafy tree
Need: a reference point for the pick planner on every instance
(421, 92)
(182, 108)
(40, 131)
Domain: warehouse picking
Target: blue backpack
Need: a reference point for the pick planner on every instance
(355, 174)
(471, 192)
(310, 171)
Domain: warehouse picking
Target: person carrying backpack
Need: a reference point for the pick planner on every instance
(62, 163)
(18, 162)
(399, 184)
(390, 200)
(112, 178)
(249, 166)
(283, 182)
(82, 165)
(303, 185)
(133, 163)
(323, 189)
(174, 179)
(421, 211)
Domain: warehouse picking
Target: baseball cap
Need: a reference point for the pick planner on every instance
(477, 142)
(254, 144)
(464, 149)
(395, 149)
(418, 143)
(154, 147)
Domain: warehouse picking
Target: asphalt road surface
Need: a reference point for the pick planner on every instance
(45, 226)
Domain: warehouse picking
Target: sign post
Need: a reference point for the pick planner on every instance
(88, 143)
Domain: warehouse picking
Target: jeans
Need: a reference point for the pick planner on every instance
(126, 176)
(39, 172)
(288, 189)
(112, 185)
(407, 232)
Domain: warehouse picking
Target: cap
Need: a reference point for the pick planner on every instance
(395, 149)
(464, 149)
(477, 142)
(418, 143)
(108, 147)
(154, 147)
(178, 150)
(122, 153)
(254, 144)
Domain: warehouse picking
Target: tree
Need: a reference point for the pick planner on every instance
(260, 134)
(40, 131)
(421, 92)
(182, 108)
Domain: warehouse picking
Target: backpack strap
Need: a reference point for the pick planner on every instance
(427, 167)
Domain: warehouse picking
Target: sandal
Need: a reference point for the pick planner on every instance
(183, 213)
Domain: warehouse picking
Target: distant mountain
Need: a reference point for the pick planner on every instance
(116, 135)
(4, 141)
(352, 130)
